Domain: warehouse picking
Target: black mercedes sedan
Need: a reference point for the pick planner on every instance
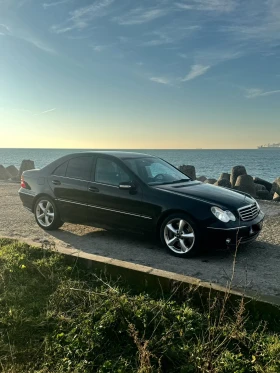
(142, 193)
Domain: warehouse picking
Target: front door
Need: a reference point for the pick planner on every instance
(69, 183)
(111, 205)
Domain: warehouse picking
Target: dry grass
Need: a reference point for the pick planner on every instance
(60, 318)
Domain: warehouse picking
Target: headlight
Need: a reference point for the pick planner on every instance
(224, 216)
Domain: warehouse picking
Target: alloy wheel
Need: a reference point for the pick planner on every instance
(45, 213)
(179, 236)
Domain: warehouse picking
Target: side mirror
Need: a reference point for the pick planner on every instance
(128, 185)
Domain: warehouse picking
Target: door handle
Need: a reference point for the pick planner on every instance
(93, 189)
(56, 182)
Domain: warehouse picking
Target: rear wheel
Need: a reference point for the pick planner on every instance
(46, 214)
(179, 234)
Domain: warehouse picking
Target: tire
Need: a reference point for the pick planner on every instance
(47, 214)
(180, 236)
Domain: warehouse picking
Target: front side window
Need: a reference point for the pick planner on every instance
(109, 172)
(79, 168)
(155, 171)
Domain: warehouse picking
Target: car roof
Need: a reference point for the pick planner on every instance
(116, 153)
(113, 153)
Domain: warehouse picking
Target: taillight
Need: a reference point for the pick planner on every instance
(22, 183)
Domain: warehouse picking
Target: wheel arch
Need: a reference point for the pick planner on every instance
(167, 213)
(39, 196)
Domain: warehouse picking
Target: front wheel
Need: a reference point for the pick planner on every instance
(46, 214)
(179, 234)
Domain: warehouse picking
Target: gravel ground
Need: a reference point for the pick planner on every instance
(257, 266)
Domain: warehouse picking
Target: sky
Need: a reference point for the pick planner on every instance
(139, 74)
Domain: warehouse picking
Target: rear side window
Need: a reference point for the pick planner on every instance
(79, 168)
(61, 170)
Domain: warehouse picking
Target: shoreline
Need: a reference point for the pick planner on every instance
(208, 162)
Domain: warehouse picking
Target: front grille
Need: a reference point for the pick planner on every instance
(249, 212)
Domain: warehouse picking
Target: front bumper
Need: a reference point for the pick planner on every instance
(241, 233)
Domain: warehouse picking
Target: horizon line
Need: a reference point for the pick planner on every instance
(130, 148)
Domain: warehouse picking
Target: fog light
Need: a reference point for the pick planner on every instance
(228, 241)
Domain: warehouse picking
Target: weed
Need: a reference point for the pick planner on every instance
(56, 317)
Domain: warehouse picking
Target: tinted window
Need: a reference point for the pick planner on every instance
(109, 172)
(61, 170)
(79, 168)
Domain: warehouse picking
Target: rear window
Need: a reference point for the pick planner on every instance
(79, 168)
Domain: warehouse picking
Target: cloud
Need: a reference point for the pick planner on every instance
(48, 5)
(20, 33)
(214, 56)
(222, 6)
(31, 39)
(99, 48)
(160, 80)
(27, 111)
(45, 112)
(260, 32)
(80, 18)
(257, 92)
(161, 38)
(169, 35)
(61, 30)
(4, 29)
(196, 70)
(184, 55)
(91, 10)
(139, 15)
(258, 23)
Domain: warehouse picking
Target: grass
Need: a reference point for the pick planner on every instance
(60, 318)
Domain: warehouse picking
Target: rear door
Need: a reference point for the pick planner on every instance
(111, 205)
(69, 183)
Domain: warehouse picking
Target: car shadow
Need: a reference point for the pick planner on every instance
(120, 244)
(254, 266)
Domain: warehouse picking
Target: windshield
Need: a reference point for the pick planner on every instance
(154, 171)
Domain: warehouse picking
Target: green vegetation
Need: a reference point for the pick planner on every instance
(60, 318)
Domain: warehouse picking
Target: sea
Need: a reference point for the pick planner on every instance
(210, 163)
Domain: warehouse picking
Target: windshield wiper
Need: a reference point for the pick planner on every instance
(179, 181)
(175, 181)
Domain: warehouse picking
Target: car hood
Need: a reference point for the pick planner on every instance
(219, 196)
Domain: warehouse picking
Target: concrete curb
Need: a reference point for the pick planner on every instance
(153, 280)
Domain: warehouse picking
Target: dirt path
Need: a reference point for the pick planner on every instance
(257, 267)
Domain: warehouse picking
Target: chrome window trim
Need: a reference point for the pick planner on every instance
(88, 181)
(110, 185)
(71, 178)
(104, 208)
